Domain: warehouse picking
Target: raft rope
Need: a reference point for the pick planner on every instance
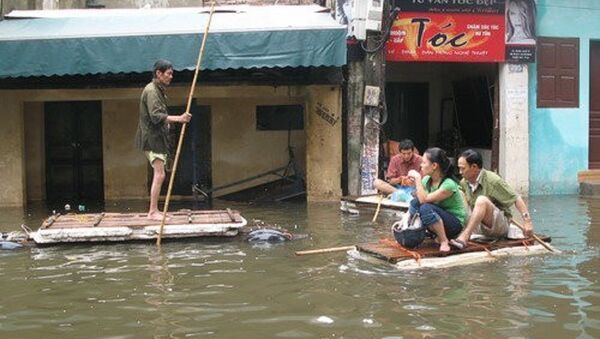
(395, 244)
(478, 245)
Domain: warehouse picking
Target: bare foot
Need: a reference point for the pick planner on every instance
(156, 216)
(444, 247)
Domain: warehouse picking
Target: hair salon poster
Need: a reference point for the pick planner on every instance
(520, 31)
(460, 31)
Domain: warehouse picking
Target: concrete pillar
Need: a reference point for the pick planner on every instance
(514, 126)
(356, 87)
(323, 143)
(374, 76)
(12, 162)
(370, 151)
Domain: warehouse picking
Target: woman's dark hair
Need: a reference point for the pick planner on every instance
(161, 65)
(438, 155)
(472, 157)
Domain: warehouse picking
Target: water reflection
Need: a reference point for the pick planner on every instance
(229, 288)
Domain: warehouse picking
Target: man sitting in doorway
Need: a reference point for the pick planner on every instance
(490, 199)
(396, 182)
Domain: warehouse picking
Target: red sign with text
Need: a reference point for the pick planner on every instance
(419, 36)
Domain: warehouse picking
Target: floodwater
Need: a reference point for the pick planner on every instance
(232, 289)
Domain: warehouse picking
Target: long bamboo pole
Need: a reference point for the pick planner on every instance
(326, 250)
(182, 133)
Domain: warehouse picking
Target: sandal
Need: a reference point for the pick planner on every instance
(458, 244)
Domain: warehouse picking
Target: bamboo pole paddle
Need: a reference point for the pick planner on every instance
(378, 207)
(326, 250)
(182, 133)
(542, 242)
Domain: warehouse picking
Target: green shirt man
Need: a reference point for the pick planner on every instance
(152, 132)
(490, 184)
(490, 199)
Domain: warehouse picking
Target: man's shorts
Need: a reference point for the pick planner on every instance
(499, 227)
(153, 156)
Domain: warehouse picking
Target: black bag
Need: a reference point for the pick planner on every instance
(409, 232)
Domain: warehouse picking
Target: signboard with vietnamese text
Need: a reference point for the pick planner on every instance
(448, 31)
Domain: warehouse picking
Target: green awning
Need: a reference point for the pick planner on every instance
(48, 43)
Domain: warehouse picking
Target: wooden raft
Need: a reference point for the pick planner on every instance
(136, 226)
(367, 204)
(139, 219)
(393, 253)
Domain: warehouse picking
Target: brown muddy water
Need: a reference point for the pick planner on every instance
(231, 289)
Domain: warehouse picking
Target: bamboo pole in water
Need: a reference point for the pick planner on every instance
(542, 242)
(326, 250)
(181, 135)
(378, 208)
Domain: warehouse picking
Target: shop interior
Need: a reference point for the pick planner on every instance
(447, 105)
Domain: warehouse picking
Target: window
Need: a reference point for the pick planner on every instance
(558, 72)
(279, 117)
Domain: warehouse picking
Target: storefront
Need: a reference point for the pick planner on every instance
(71, 82)
(565, 109)
(456, 79)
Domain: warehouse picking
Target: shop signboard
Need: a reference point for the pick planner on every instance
(459, 30)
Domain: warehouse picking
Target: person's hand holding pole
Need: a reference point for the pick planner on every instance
(185, 118)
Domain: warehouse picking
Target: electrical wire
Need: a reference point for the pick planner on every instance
(386, 34)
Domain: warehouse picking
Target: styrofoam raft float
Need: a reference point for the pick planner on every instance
(430, 257)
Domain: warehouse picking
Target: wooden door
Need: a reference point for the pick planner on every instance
(194, 166)
(594, 133)
(73, 139)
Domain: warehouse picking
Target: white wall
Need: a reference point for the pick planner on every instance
(514, 126)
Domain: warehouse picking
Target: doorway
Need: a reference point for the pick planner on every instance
(594, 132)
(195, 161)
(408, 112)
(73, 139)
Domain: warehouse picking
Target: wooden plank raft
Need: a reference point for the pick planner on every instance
(428, 254)
(92, 227)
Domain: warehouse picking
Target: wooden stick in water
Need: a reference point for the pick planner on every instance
(378, 207)
(326, 250)
(542, 242)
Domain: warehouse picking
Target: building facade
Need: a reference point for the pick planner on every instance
(71, 116)
(454, 78)
(564, 95)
